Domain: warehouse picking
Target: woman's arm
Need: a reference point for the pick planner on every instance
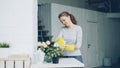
(79, 38)
(60, 34)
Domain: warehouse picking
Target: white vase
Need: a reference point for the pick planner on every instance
(5, 52)
(40, 56)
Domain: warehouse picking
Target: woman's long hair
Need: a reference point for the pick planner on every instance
(68, 14)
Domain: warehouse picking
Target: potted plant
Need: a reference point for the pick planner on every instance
(4, 45)
(54, 49)
(4, 49)
(51, 50)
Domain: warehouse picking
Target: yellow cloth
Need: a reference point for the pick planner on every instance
(69, 47)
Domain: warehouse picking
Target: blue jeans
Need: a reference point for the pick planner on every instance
(79, 58)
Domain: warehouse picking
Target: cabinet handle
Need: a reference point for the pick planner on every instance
(89, 45)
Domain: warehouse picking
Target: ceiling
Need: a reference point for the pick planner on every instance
(104, 5)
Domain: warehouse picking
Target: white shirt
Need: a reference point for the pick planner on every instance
(72, 36)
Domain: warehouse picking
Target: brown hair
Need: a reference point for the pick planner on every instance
(68, 14)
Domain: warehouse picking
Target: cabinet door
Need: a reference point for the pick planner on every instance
(19, 64)
(2, 65)
(92, 47)
(10, 64)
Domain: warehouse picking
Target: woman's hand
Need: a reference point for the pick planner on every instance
(76, 47)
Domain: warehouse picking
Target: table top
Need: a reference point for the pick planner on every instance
(63, 62)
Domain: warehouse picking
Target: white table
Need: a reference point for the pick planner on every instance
(63, 62)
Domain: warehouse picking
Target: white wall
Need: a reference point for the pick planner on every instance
(18, 26)
(108, 34)
(112, 38)
(76, 3)
(101, 18)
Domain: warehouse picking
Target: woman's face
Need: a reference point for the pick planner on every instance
(65, 20)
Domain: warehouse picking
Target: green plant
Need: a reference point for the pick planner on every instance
(53, 51)
(4, 45)
(50, 49)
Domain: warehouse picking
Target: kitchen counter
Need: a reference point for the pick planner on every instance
(63, 62)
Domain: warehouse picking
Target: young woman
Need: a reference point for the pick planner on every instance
(72, 34)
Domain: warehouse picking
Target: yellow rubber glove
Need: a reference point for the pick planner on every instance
(69, 47)
(60, 41)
